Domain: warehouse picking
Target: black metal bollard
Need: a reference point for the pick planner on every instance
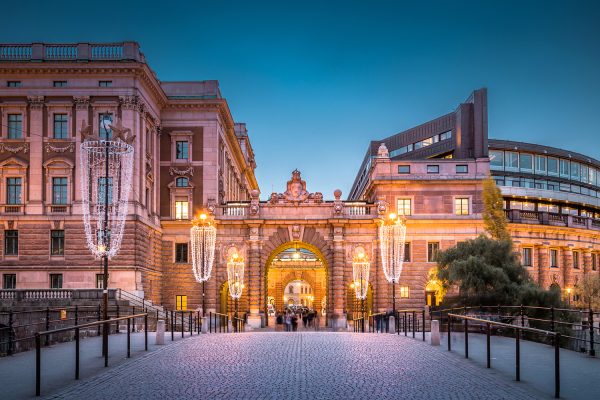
(128, 337)
(488, 345)
(557, 365)
(517, 354)
(38, 362)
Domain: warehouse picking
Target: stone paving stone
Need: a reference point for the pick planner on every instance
(307, 365)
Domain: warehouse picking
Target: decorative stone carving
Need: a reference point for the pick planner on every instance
(254, 202)
(383, 152)
(296, 232)
(36, 102)
(129, 102)
(70, 148)
(338, 207)
(382, 206)
(82, 103)
(14, 149)
(176, 171)
(296, 192)
(211, 205)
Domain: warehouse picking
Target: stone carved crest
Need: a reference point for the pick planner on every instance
(211, 205)
(338, 207)
(382, 206)
(296, 192)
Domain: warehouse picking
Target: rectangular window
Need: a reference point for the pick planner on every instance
(553, 258)
(564, 168)
(445, 135)
(433, 249)
(404, 207)
(575, 171)
(13, 84)
(433, 169)
(461, 206)
(181, 210)
(56, 281)
(15, 126)
(105, 83)
(99, 281)
(182, 150)
(181, 302)
(59, 83)
(59, 190)
(526, 161)
(540, 165)
(57, 242)
(404, 292)
(11, 242)
(406, 252)
(497, 159)
(13, 191)
(104, 123)
(576, 259)
(9, 282)
(181, 252)
(552, 166)
(102, 190)
(462, 169)
(60, 126)
(404, 169)
(595, 261)
(527, 257)
(511, 160)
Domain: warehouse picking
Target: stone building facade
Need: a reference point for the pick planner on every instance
(191, 156)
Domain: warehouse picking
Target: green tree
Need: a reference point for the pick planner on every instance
(487, 272)
(589, 292)
(494, 219)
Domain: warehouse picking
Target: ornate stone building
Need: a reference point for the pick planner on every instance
(297, 245)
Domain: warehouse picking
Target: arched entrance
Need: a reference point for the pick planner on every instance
(296, 276)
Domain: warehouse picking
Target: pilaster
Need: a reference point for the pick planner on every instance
(567, 267)
(36, 190)
(254, 275)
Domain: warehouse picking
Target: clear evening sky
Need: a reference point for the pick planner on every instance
(315, 81)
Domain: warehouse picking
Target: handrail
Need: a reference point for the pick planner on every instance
(105, 324)
(518, 329)
(223, 324)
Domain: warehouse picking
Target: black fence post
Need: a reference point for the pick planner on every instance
(488, 346)
(423, 318)
(405, 327)
(517, 354)
(172, 327)
(76, 353)
(146, 332)
(182, 324)
(414, 315)
(47, 339)
(38, 361)
(522, 316)
(449, 332)
(76, 315)
(190, 324)
(99, 318)
(11, 334)
(552, 319)
(107, 327)
(591, 322)
(128, 337)
(118, 315)
(557, 365)
(466, 338)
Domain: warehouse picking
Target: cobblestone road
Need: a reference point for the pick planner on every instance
(317, 365)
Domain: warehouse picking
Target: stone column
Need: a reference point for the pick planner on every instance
(254, 269)
(35, 193)
(543, 266)
(567, 268)
(587, 261)
(338, 318)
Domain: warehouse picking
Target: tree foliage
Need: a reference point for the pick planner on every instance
(494, 219)
(487, 272)
(589, 292)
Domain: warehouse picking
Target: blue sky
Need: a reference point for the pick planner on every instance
(317, 80)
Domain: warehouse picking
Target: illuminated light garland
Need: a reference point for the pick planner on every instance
(203, 238)
(360, 274)
(94, 182)
(392, 238)
(235, 276)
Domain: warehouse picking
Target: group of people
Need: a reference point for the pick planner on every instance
(291, 318)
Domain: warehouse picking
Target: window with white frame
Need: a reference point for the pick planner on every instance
(59, 191)
(182, 150)
(181, 209)
(404, 207)
(15, 126)
(404, 292)
(60, 126)
(13, 191)
(461, 206)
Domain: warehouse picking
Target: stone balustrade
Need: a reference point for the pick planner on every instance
(548, 218)
(71, 51)
(52, 294)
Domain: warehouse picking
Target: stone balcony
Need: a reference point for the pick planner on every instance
(548, 218)
(324, 210)
(80, 52)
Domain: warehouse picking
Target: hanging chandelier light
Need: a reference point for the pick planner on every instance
(392, 237)
(360, 274)
(106, 166)
(203, 235)
(235, 279)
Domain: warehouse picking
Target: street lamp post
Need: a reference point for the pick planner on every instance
(392, 236)
(235, 280)
(203, 235)
(106, 172)
(360, 272)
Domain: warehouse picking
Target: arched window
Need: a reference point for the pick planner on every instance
(182, 182)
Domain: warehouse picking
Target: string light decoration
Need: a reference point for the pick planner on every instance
(360, 274)
(106, 171)
(203, 236)
(392, 237)
(235, 279)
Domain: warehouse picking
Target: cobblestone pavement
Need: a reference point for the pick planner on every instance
(308, 365)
